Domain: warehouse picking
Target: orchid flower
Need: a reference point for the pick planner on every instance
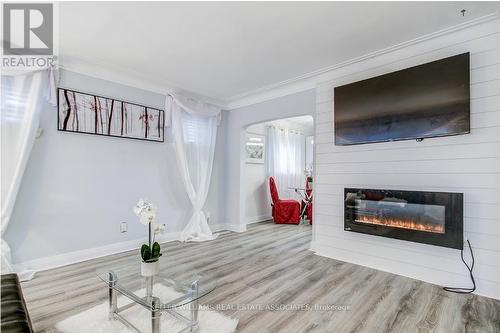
(145, 211)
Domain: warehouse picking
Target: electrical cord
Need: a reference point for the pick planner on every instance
(470, 268)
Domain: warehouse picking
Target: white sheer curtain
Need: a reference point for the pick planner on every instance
(286, 159)
(22, 99)
(194, 128)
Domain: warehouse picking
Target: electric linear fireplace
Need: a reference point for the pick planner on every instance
(425, 217)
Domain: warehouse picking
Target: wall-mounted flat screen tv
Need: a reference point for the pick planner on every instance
(424, 101)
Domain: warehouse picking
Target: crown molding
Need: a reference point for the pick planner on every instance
(132, 79)
(309, 80)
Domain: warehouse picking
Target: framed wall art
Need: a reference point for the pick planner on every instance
(91, 114)
(255, 148)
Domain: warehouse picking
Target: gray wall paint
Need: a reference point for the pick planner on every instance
(298, 104)
(77, 188)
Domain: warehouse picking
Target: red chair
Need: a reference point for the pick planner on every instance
(309, 208)
(284, 211)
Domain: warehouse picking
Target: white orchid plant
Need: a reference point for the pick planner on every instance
(146, 212)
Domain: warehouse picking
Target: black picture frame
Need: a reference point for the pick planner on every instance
(100, 125)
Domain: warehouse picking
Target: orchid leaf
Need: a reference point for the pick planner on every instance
(145, 253)
(156, 250)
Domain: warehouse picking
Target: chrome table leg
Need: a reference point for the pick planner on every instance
(113, 306)
(155, 314)
(194, 306)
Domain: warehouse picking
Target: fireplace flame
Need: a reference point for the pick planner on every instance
(403, 224)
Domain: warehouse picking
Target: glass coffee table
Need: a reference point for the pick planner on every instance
(161, 294)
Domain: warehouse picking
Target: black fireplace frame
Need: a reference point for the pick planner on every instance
(453, 202)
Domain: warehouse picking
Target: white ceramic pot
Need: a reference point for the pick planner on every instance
(150, 268)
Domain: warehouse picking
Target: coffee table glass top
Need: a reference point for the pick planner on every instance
(173, 289)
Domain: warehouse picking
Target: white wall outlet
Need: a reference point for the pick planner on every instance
(123, 227)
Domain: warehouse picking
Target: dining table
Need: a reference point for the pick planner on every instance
(306, 198)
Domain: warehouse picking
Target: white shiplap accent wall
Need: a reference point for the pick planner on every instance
(467, 163)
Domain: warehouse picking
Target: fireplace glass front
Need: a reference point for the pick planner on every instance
(425, 217)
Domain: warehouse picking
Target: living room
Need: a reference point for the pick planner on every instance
(143, 155)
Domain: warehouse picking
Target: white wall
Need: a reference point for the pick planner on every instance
(309, 150)
(78, 188)
(468, 164)
(298, 104)
(258, 207)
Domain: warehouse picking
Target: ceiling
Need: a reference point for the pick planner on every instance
(226, 50)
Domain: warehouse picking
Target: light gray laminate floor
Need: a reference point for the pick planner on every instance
(270, 267)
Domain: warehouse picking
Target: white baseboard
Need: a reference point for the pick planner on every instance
(259, 218)
(41, 264)
(236, 227)
(217, 227)
(229, 227)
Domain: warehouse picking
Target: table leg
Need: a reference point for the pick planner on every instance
(113, 306)
(155, 314)
(304, 209)
(194, 306)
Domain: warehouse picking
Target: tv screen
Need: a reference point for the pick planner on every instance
(419, 102)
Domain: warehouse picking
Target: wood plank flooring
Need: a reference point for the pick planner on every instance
(271, 282)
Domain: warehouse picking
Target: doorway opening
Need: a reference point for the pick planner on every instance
(277, 173)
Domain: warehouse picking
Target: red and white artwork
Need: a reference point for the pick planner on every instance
(91, 114)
